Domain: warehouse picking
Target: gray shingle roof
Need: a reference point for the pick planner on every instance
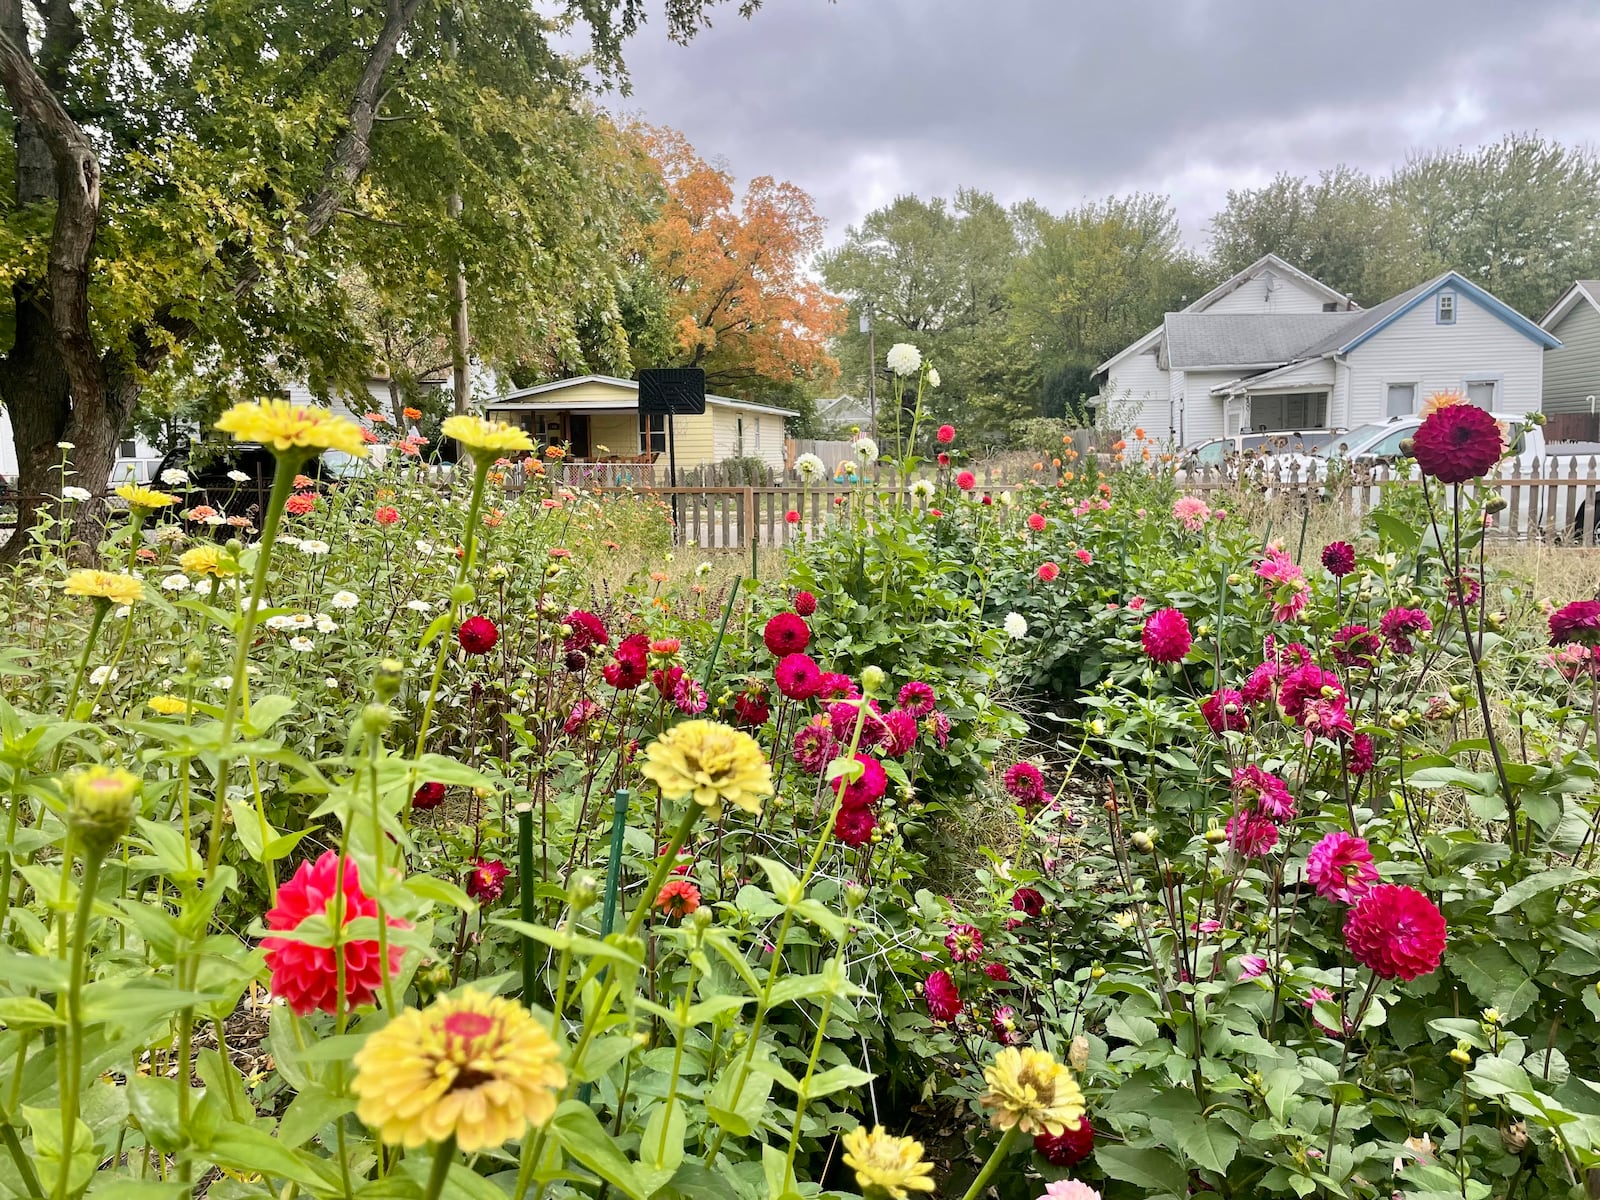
(1203, 339)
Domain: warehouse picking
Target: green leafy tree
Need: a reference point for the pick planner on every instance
(194, 177)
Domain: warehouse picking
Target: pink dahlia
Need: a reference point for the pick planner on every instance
(1259, 789)
(1396, 931)
(1356, 646)
(1457, 443)
(813, 746)
(797, 676)
(1036, 522)
(786, 633)
(964, 942)
(854, 826)
(1326, 716)
(918, 698)
(582, 713)
(1303, 684)
(946, 434)
(1024, 783)
(1191, 512)
(867, 788)
(1363, 753)
(307, 976)
(1339, 558)
(1400, 624)
(1252, 966)
(899, 732)
(939, 991)
(1287, 588)
(1577, 622)
(688, 696)
(1340, 867)
(836, 685)
(1224, 710)
(1047, 572)
(1251, 833)
(805, 603)
(966, 481)
(1166, 637)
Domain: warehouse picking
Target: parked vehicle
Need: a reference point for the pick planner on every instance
(1250, 454)
(235, 477)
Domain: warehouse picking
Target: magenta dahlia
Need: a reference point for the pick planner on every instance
(1027, 900)
(1457, 443)
(1262, 790)
(867, 788)
(1363, 753)
(964, 942)
(813, 746)
(786, 633)
(854, 826)
(1577, 622)
(1340, 867)
(1356, 646)
(918, 698)
(1251, 833)
(1166, 637)
(805, 603)
(797, 676)
(1400, 624)
(1224, 710)
(477, 635)
(1396, 931)
(1024, 783)
(1303, 684)
(587, 630)
(899, 732)
(939, 991)
(1339, 558)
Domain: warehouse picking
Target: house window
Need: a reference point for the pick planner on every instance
(1401, 401)
(1482, 392)
(652, 433)
(128, 450)
(1446, 314)
(1330, 306)
(738, 438)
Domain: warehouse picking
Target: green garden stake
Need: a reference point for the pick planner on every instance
(1305, 519)
(619, 824)
(525, 897)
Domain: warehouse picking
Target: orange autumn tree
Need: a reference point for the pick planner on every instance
(739, 301)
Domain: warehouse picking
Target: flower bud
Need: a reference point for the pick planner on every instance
(854, 896)
(375, 718)
(1461, 1056)
(233, 546)
(1495, 621)
(1459, 691)
(1078, 1053)
(1495, 503)
(193, 660)
(1142, 841)
(1097, 972)
(701, 919)
(386, 679)
(1408, 447)
(1491, 1016)
(1537, 418)
(1216, 835)
(102, 806)
(582, 892)
(1235, 579)
(462, 593)
(872, 680)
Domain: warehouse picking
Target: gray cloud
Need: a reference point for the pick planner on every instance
(1065, 100)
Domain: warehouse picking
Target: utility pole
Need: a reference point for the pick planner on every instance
(460, 362)
(872, 367)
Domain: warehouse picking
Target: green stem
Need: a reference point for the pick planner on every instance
(101, 608)
(993, 1165)
(282, 485)
(30, 1177)
(442, 1157)
(800, 1096)
(72, 1052)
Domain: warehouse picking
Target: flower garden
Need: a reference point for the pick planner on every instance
(1079, 839)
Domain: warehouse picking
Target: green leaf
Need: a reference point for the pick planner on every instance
(1208, 1143)
(837, 1078)
(154, 1104)
(46, 1126)
(1523, 890)
(739, 1114)
(440, 891)
(27, 1012)
(1155, 1170)
(785, 887)
(579, 1131)
(311, 1111)
(246, 1148)
(661, 1147)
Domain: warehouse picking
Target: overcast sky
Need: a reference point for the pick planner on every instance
(1065, 100)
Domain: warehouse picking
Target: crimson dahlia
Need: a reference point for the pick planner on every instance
(943, 1000)
(1166, 637)
(805, 603)
(429, 795)
(1457, 443)
(797, 676)
(1576, 622)
(1396, 931)
(487, 880)
(1067, 1148)
(854, 826)
(477, 635)
(1224, 710)
(1339, 558)
(1340, 867)
(786, 633)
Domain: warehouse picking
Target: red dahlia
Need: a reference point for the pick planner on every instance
(429, 795)
(477, 635)
(751, 708)
(587, 630)
(1339, 558)
(487, 880)
(787, 633)
(1396, 931)
(944, 1002)
(867, 788)
(1457, 443)
(1223, 710)
(805, 603)
(307, 976)
(1166, 636)
(946, 434)
(1576, 622)
(1067, 1148)
(854, 826)
(1027, 900)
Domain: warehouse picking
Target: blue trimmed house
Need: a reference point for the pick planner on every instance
(1289, 357)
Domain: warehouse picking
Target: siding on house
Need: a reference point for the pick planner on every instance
(618, 432)
(1416, 349)
(1201, 412)
(1137, 385)
(1290, 295)
(1572, 373)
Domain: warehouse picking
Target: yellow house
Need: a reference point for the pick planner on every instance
(597, 418)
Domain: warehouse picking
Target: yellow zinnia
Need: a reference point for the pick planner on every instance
(144, 499)
(1030, 1089)
(486, 437)
(886, 1167)
(476, 1067)
(282, 426)
(115, 586)
(711, 763)
(207, 559)
(167, 706)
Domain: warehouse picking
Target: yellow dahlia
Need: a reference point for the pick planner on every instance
(167, 706)
(282, 426)
(207, 559)
(711, 763)
(478, 1067)
(115, 586)
(145, 499)
(484, 436)
(1030, 1089)
(886, 1167)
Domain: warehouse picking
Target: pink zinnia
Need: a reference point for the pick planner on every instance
(1396, 932)
(1251, 833)
(1224, 710)
(1340, 867)
(944, 1002)
(1287, 588)
(1166, 637)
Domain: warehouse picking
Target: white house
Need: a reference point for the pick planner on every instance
(1272, 348)
(1572, 371)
